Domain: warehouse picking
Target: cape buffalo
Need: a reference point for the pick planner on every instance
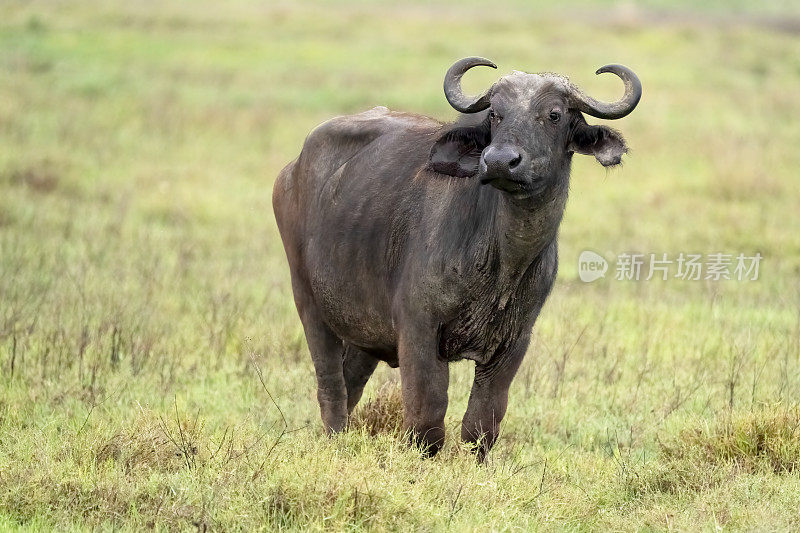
(420, 243)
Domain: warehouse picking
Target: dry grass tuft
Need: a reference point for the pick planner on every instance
(766, 440)
(755, 441)
(41, 177)
(153, 443)
(382, 414)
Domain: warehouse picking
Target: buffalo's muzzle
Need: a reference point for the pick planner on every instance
(502, 165)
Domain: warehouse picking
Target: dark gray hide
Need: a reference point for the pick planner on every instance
(419, 243)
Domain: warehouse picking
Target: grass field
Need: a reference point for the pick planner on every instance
(153, 371)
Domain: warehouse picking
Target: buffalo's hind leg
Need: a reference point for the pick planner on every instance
(358, 367)
(327, 351)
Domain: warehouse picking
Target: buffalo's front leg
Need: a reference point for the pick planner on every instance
(358, 367)
(488, 401)
(424, 378)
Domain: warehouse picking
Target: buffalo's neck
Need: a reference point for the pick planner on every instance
(524, 228)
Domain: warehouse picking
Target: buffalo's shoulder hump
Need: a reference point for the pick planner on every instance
(366, 126)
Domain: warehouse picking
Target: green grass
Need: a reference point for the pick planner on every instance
(143, 286)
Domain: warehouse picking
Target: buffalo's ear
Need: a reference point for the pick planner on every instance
(605, 144)
(457, 151)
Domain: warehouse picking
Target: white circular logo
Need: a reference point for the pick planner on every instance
(591, 266)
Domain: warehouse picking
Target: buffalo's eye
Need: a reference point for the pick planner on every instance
(493, 116)
(555, 116)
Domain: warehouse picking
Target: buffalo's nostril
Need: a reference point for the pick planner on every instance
(515, 162)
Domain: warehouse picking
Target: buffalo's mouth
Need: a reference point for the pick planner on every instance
(501, 180)
(516, 187)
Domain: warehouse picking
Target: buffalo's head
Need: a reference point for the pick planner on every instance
(519, 136)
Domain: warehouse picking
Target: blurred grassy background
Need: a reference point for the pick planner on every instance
(142, 281)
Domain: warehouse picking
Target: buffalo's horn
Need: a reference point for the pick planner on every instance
(618, 109)
(452, 86)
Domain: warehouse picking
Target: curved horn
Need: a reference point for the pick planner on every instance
(452, 86)
(618, 109)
